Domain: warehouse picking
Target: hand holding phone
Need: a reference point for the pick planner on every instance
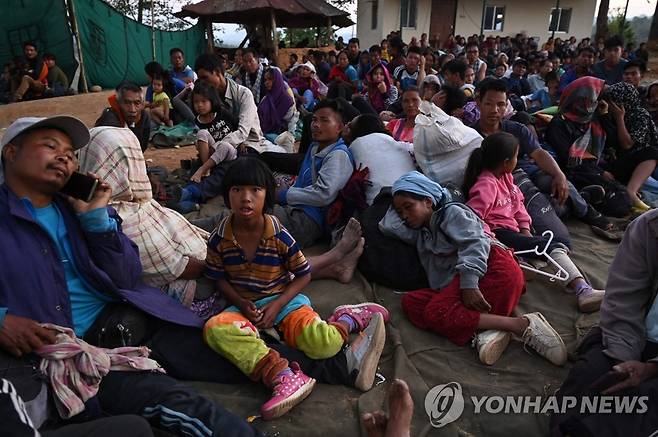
(80, 186)
(87, 192)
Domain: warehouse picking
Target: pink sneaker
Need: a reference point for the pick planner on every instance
(289, 392)
(362, 313)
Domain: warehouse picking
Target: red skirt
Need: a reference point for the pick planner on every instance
(443, 311)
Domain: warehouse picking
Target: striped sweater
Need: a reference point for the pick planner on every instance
(277, 261)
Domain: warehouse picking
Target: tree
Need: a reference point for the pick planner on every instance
(295, 36)
(615, 27)
(140, 11)
(653, 31)
(602, 19)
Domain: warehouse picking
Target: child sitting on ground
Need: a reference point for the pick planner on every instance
(475, 282)
(261, 270)
(494, 197)
(214, 124)
(160, 104)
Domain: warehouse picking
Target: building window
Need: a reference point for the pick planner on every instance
(494, 18)
(374, 10)
(559, 20)
(408, 13)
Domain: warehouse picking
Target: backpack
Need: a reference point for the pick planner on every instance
(351, 199)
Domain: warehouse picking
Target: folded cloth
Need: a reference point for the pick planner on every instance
(75, 368)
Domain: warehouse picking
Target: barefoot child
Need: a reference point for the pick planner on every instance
(261, 270)
(214, 124)
(475, 282)
(499, 203)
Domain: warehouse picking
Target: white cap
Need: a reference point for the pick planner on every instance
(308, 65)
(73, 127)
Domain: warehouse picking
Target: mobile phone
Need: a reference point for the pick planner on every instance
(608, 380)
(80, 186)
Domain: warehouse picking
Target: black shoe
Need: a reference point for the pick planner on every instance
(595, 218)
(593, 194)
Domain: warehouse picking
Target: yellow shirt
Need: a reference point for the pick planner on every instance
(161, 99)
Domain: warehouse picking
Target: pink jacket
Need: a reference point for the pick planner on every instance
(498, 202)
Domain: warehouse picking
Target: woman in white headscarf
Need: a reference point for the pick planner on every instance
(172, 250)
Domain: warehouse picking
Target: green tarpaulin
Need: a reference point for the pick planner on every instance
(43, 22)
(114, 47)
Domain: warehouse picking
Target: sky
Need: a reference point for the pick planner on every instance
(232, 36)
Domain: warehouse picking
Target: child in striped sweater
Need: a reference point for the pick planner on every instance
(261, 270)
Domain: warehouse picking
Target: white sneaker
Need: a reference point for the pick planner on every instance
(590, 300)
(541, 336)
(491, 344)
(363, 353)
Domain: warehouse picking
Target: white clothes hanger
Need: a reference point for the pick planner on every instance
(561, 274)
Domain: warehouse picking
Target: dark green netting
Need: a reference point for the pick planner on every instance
(43, 22)
(114, 47)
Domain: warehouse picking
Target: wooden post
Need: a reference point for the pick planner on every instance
(76, 35)
(275, 36)
(484, 12)
(330, 35)
(210, 35)
(153, 30)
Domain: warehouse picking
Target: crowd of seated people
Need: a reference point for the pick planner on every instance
(476, 147)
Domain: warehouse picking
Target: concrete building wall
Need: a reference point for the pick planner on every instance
(533, 18)
(388, 19)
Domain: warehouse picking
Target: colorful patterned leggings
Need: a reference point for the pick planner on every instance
(234, 337)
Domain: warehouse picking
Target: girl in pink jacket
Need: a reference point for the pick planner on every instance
(499, 203)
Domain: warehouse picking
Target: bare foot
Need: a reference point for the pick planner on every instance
(400, 410)
(375, 423)
(344, 269)
(350, 237)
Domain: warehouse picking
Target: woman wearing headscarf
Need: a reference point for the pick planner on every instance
(308, 89)
(578, 139)
(379, 90)
(172, 251)
(276, 111)
(476, 282)
(634, 140)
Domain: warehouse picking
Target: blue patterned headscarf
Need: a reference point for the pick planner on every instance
(417, 183)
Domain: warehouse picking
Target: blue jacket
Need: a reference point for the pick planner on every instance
(321, 176)
(32, 278)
